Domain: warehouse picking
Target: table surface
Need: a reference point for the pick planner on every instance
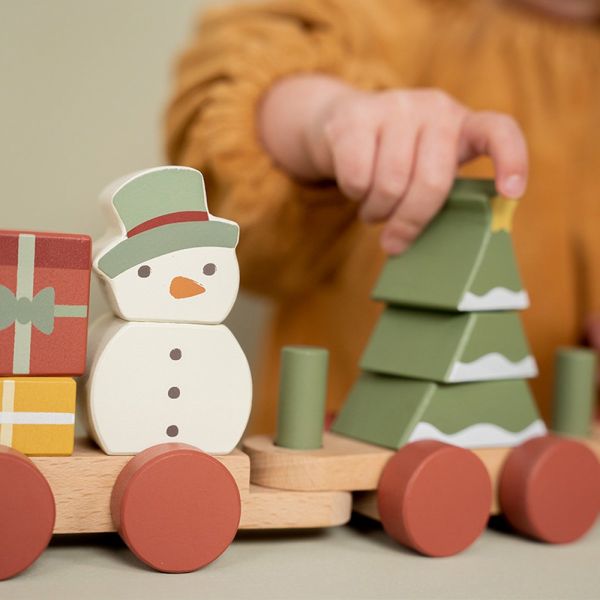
(355, 561)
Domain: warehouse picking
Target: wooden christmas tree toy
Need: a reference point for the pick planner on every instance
(429, 356)
(444, 371)
(169, 393)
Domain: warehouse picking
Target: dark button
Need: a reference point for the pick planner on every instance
(175, 354)
(172, 430)
(209, 269)
(174, 392)
(144, 271)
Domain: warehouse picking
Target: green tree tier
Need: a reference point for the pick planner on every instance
(391, 411)
(449, 347)
(463, 261)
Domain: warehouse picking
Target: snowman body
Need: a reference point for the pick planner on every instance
(165, 368)
(152, 383)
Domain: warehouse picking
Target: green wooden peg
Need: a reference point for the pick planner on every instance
(302, 396)
(574, 390)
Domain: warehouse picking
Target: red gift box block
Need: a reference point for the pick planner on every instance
(44, 298)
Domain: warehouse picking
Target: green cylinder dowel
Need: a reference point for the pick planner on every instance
(302, 396)
(574, 391)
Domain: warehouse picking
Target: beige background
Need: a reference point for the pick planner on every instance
(83, 86)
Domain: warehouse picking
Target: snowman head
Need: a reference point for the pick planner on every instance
(171, 261)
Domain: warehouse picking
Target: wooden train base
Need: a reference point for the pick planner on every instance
(178, 509)
(437, 498)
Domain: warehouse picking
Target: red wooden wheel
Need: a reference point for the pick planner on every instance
(550, 489)
(177, 508)
(27, 513)
(434, 498)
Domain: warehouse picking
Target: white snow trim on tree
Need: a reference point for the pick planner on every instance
(480, 435)
(498, 298)
(493, 366)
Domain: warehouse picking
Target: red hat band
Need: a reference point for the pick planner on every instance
(176, 217)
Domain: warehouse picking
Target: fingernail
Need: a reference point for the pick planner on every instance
(513, 186)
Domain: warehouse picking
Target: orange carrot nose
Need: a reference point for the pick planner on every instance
(183, 287)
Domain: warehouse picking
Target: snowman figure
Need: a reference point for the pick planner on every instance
(166, 369)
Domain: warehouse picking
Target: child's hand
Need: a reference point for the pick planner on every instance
(396, 151)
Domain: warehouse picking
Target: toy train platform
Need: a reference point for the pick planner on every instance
(436, 498)
(175, 507)
(279, 488)
(345, 464)
(178, 508)
(82, 485)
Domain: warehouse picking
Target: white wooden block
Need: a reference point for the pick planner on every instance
(151, 383)
(165, 257)
(167, 370)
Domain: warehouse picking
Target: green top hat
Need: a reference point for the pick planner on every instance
(163, 210)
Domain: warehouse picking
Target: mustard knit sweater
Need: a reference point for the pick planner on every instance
(303, 246)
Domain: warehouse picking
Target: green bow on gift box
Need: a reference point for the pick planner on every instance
(39, 311)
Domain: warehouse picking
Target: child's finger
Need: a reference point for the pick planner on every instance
(593, 331)
(353, 152)
(433, 174)
(499, 137)
(393, 167)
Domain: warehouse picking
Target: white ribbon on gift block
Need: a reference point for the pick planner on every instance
(36, 418)
(8, 406)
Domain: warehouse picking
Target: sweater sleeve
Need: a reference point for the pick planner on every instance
(293, 236)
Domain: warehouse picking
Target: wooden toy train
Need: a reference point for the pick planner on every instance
(438, 433)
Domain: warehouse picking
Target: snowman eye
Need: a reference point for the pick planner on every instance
(209, 269)
(144, 271)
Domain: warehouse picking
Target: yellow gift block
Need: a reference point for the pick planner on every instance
(37, 415)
